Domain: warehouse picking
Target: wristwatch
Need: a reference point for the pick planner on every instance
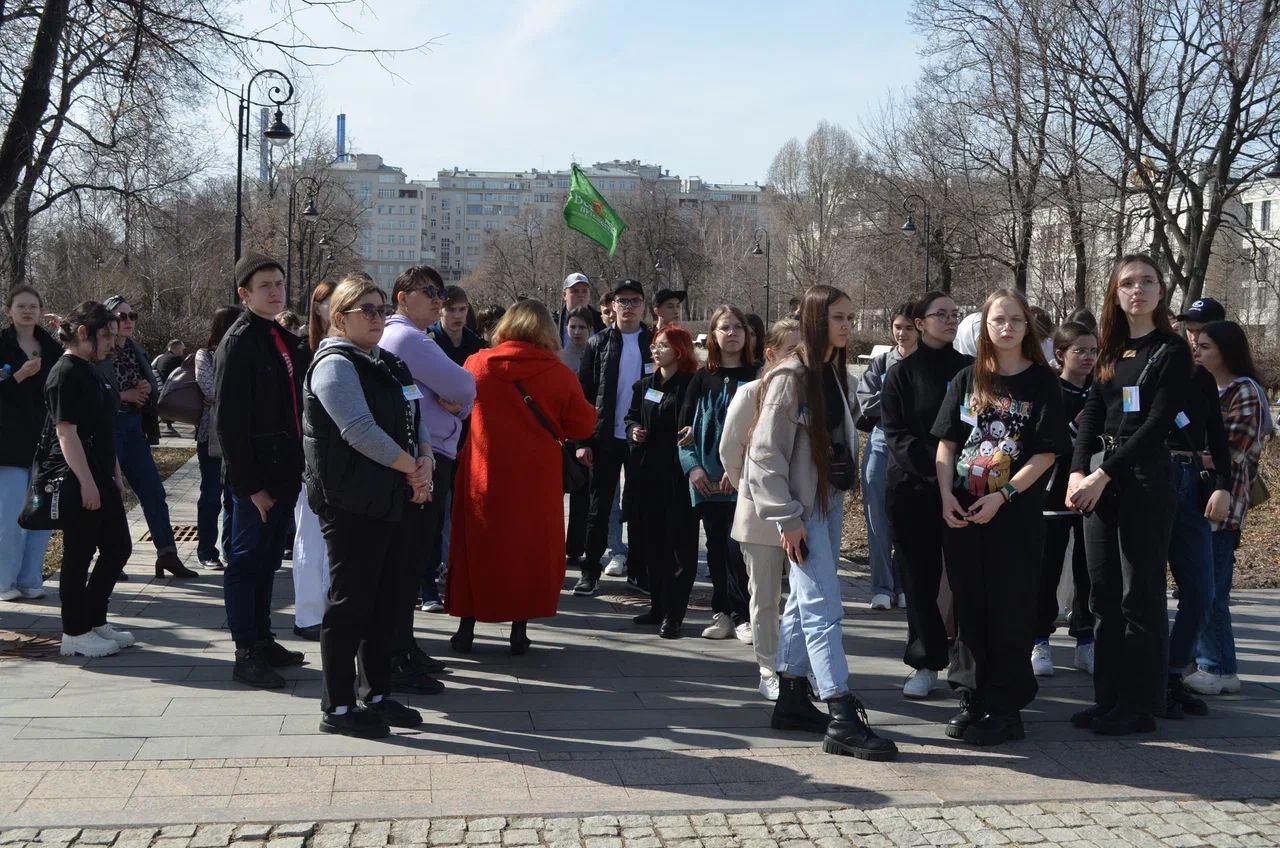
(1008, 491)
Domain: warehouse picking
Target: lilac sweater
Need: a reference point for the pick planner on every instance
(437, 376)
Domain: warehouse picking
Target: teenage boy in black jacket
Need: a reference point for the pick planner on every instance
(258, 370)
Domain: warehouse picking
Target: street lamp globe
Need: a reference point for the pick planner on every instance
(278, 133)
(910, 226)
(311, 212)
(756, 251)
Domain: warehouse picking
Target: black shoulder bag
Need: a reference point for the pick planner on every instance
(575, 473)
(53, 486)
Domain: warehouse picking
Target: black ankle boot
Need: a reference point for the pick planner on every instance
(1122, 722)
(519, 639)
(970, 712)
(1179, 701)
(461, 641)
(794, 711)
(995, 728)
(849, 733)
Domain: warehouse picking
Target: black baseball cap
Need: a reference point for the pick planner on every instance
(1204, 310)
(629, 285)
(664, 295)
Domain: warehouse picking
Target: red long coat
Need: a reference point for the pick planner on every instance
(506, 551)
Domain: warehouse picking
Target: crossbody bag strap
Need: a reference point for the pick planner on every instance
(542, 419)
(1142, 375)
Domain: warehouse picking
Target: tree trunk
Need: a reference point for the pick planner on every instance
(20, 136)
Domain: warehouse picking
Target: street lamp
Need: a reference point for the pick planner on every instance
(310, 214)
(277, 134)
(909, 227)
(1274, 173)
(756, 251)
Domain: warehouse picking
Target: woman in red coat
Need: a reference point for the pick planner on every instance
(506, 554)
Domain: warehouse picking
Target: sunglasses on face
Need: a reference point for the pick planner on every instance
(127, 316)
(372, 311)
(432, 292)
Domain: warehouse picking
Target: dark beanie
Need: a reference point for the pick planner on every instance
(251, 263)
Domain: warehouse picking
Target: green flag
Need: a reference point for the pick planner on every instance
(585, 210)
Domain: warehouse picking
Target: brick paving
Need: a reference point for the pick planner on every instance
(599, 719)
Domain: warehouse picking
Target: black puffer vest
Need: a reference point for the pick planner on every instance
(339, 476)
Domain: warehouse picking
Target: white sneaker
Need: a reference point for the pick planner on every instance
(35, 593)
(123, 638)
(1230, 684)
(902, 600)
(920, 683)
(743, 632)
(617, 567)
(1042, 660)
(10, 594)
(769, 687)
(721, 627)
(88, 645)
(1084, 657)
(1208, 683)
(880, 602)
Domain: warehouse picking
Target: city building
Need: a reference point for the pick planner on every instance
(391, 210)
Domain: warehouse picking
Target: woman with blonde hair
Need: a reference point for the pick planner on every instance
(506, 553)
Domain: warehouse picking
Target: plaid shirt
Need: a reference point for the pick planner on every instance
(1243, 415)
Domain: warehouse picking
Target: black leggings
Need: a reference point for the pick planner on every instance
(104, 531)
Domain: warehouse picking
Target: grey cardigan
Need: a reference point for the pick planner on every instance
(779, 475)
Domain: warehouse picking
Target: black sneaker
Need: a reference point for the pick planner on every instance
(1085, 718)
(311, 633)
(406, 676)
(357, 722)
(994, 729)
(586, 585)
(252, 670)
(1120, 722)
(427, 663)
(277, 655)
(393, 713)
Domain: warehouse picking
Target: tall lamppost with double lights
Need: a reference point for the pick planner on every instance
(278, 133)
(756, 251)
(909, 228)
(310, 214)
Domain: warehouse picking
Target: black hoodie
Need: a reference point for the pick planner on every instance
(909, 403)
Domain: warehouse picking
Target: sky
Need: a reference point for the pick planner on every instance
(708, 88)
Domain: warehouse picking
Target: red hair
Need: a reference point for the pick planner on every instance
(682, 343)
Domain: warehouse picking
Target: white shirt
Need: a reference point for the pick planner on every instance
(630, 369)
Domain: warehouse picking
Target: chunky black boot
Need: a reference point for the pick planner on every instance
(995, 728)
(1085, 718)
(849, 733)
(970, 712)
(519, 637)
(1179, 701)
(461, 641)
(794, 711)
(1122, 722)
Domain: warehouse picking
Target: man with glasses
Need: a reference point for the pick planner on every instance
(577, 294)
(615, 359)
(448, 391)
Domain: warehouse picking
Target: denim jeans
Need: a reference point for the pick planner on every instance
(21, 551)
(1191, 561)
(875, 468)
(617, 547)
(1216, 650)
(257, 549)
(811, 638)
(140, 470)
(209, 505)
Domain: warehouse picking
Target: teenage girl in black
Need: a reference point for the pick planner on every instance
(1140, 386)
(998, 431)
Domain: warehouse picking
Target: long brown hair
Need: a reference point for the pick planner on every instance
(713, 346)
(1113, 325)
(986, 367)
(316, 330)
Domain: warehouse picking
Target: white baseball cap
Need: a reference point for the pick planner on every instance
(575, 278)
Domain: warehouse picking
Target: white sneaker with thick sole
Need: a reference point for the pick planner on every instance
(769, 687)
(721, 627)
(1208, 683)
(123, 638)
(1042, 660)
(1230, 684)
(902, 600)
(1084, 657)
(10, 594)
(35, 593)
(617, 567)
(880, 602)
(919, 684)
(743, 632)
(88, 645)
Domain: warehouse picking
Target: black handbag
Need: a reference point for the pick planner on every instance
(575, 473)
(52, 489)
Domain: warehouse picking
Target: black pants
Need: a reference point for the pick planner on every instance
(994, 594)
(367, 563)
(420, 523)
(664, 541)
(442, 483)
(729, 592)
(104, 531)
(608, 457)
(1128, 547)
(915, 513)
(575, 537)
(1057, 532)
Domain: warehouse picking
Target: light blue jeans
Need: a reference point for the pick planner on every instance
(21, 551)
(1216, 650)
(811, 639)
(875, 470)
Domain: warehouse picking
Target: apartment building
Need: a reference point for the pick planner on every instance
(391, 209)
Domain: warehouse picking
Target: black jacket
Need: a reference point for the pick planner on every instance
(909, 403)
(339, 476)
(256, 414)
(598, 373)
(22, 407)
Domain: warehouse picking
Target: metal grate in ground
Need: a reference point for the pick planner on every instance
(181, 533)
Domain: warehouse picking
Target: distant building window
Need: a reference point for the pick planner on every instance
(1265, 223)
(473, 237)
(474, 209)
(386, 192)
(1248, 214)
(444, 203)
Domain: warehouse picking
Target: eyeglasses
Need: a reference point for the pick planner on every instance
(372, 311)
(628, 302)
(1134, 285)
(431, 291)
(1017, 322)
(729, 329)
(954, 315)
(127, 316)
(1084, 351)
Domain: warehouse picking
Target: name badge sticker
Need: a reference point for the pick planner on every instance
(648, 368)
(1132, 399)
(653, 395)
(412, 392)
(966, 416)
(1182, 420)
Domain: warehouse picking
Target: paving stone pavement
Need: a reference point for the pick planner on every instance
(599, 718)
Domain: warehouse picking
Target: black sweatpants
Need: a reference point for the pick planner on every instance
(442, 482)
(421, 523)
(1128, 548)
(368, 561)
(575, 537)
(1057, 532)
(994, 592)
(664, 542)
(104, 531)
(915, 513)
(729, 590)
(607, 458)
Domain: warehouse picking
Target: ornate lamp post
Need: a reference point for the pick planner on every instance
(756, 251)
(310, 214)
(278, 134)
(910, 229)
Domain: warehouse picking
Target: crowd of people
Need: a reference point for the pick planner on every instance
(410, 453)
